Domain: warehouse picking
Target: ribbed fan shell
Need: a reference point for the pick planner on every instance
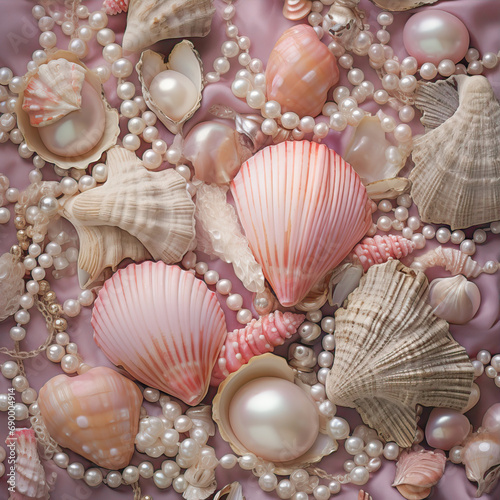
(95, 415)
(392, 353)
(162, 325)
(303, 209)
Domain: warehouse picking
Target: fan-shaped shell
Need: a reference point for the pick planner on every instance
(163, 325)
(300, 71)
(287, 196)
(95, 415)
(391, 353)
(149, 21)
(456, 178)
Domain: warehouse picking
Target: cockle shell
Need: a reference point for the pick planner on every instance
(153, 208)
(185, 64)
(418, 471)
(11, 284)
(380, 249)
(453, 260)
(53, 92)
(149, 21)
(30, 479)
(295, 10)
(95, 415)
(300, 71)
(258, 337)
(48, 107)
(481, 457)
(112, 7)
(454, 299)
(392, 353)
(266, 365)
(285, 196)
(456, 178)
(162, 325)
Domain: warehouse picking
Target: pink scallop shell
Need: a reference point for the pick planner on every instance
(162, 325)
(303, 209)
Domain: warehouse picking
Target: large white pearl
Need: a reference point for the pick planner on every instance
(174, 93)
(274, 419)
(79, 131)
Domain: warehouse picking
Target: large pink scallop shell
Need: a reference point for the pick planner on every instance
(300, 71)
(303, 209)
(162, 325)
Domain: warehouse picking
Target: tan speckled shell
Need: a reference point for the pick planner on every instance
(392, 353)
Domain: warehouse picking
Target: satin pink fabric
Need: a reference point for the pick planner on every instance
(263, 22)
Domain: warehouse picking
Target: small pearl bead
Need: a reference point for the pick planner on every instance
(443, 235)
(17, 333)
(290, 120)
(75, 470)
(419, 241)
(406, 114)
(475, 68)
(122, 68)
(211, 277)
(409, 65)
(98, 20)
(130, 474)
(428, 71)
(468, 247)
(86, 182)
(407, 233)
(457, 237)
(201, 268)
(228, 461)
(391, 451)
(446, 67)
(78, 47)
(413, 223)
(48, 39)
(489, 370)
(244, 316)
(484, 356)
(490, 267)
(456, 454)
(490, 60)
(478, 368)
(428, 232)
(495, 227)
(69, 363)
(384, 223)
(234, 302)
(479, 236)
(381, 96)
(401, 213)
(385, 206)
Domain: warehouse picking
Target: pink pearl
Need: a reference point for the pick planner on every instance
(434, 35)
(491, 419)
(446, 428)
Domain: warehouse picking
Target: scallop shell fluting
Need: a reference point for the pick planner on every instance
(392, 353)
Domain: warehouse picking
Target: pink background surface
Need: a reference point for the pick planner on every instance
(263, 22)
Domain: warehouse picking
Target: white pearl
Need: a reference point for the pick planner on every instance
(26, 301)
(20, 383)
(48, 40)
(17, 333)
(391, 451)
(475, 68)
(100, 172)
(113, 479)
(419, 240)
(71, 308)
(85, 33)
(122, 68)
(490, 267)
(468, 247)
(105, 36)
(38, 11)
(256, 98)
(495, 227)
(290, 120)
(161, 481)
(388, 123)
(285, 489)
(478, 368)
(456, 454)
(69, 363)
(78, 47)
(490, 60)
(321, 129)
(244, 316)
(408, 84)
(86, 182)
(409, 65)
(4, 215)
(268, 482)
(338, 122)
(130, 474)
(16, 84)
(443, 235)
(234, 302)
(446, 67)
(76, 470)
(151, 159)
(457, 237)
(380, 96)
(413, 223)
(93, 477)
(111, 52)
(406, 114)
(385, 206)
(355, 76)
(359, 475)
(349, 465)
(384, 223)
(61, 460)
(131, 142)
(338, 428)
(354, 445)
(325, 359)
(479, 236)
(240, 87)
(484, 356)
(98, 20)
(228, 461)
(428, 71)
(221, 65)
(29, 396)
(22, 317)
(321, 492)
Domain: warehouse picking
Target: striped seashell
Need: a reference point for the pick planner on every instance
(294, 10)
(112, 7)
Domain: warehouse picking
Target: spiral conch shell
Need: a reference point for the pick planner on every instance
(392, 353)
(454, 299)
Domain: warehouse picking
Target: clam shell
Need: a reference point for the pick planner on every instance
(456, 178)
(149, 21)
(266, 365)
(32, 135)
(162, 325)
(183, 59)
(150, 212)
(392, 353)
(300, 71)
(454, 299)
(95, 415)
(296, 9)
(285, 196)
(399, 5)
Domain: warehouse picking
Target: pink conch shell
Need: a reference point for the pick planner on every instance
(95, 415)
(454, 261)
(53, 92)
(481, 457)
(296, 9)
(286, 196)
(258, 337)
(30, 480)
(417, 472)
(300, 71)
(162, 325)
(112, 7)
(380, 249)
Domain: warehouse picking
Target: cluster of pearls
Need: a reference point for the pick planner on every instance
(488, 364)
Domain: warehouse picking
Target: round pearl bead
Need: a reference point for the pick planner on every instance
(234, 302)
(391, 451)
(457, 237)
(468, 247)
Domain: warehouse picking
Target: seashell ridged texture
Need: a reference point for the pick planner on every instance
(300, 71)
(11, 284)
(112, 7)
(380, 249)
(417, 472)
(53, 92)
(456, 178)
(392, 353)
(149, 21)
(30, 479)
(303, 208)
(162, 325)
(95, 415)
(258, 337)
(399, 5)
(296, 9)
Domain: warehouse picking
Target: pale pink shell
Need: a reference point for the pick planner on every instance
(296, 9)
(162, 325)
(95, 415)
(300, 71)
(380, 249)
(287, 196)
(417, 472)
(112, 7)
(258, 337)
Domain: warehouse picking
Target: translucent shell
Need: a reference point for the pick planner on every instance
(53, 92)
(391, 353)
(300, 71)
(95, 415)
(285, 196)
(162, 325)
(296, 9)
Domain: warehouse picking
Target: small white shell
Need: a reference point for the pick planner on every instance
(183, 59)
(454, 299)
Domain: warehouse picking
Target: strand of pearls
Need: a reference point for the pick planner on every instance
(488, 364)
